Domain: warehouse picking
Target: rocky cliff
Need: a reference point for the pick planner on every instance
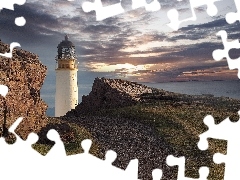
(24, 75)
(110, 93)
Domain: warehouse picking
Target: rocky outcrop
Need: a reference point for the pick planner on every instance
(110, 93)
(24, 75)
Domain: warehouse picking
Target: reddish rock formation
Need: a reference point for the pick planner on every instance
(24, 75)
(110, 93)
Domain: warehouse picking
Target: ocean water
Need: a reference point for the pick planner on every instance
(217, 88)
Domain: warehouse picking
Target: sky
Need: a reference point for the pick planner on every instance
(136, 45)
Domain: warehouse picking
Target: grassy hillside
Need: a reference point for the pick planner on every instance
(180, 121)
(176, 119)
(70, 133)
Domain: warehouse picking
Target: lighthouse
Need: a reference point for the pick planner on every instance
(66, 97)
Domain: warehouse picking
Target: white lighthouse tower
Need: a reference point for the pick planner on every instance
(66, 97)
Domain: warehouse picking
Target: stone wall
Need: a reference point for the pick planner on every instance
(24, 75)
(110, 93)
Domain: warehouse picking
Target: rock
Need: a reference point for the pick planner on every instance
(110, 93)
(24, 75)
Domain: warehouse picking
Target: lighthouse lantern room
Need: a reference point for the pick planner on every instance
(66, 97)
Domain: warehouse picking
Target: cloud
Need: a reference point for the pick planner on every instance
(136, 37)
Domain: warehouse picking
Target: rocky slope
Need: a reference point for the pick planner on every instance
(151, 124)
(24, 75)
(110, 93)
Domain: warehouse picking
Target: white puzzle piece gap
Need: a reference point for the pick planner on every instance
(9, 4)
(21, 157)
(12, 46)
(20, 21)
(3, 90)
(230, 132)
(219, 54)
(173, 14)
(103, 12)
(116, 9)
(234, 16)
(180, 162)
(25, 162)
(157, 174)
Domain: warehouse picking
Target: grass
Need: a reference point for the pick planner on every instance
(180, 125)
(179, 120)
(72, 146)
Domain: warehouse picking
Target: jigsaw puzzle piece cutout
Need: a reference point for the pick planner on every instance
(3, 90)
(14, 126)
(86, 145)
(20, 21)
(107, 170)
(9, 4)
(215, 131)
(18, 155)
(101, 11)
(152, 6)
(110, 157)
(219, 54)
(232, 17)
(20, 147)
(12, 46)
(232, 158)
(131, 172)
(157, 174)
(58, 149)
(180, 162)
(174, 17)
(56, 157)
(132, 169)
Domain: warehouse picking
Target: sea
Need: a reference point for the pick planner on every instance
(217, 88)
(229, 89)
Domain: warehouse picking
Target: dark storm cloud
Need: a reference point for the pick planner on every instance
(194, 32)
(165, 75)
(198, 51)
(104, 41)
(107, 43)
(219, 23)
(35, 30)
(99, 29)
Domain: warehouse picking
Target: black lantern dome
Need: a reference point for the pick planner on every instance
(66, 49)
